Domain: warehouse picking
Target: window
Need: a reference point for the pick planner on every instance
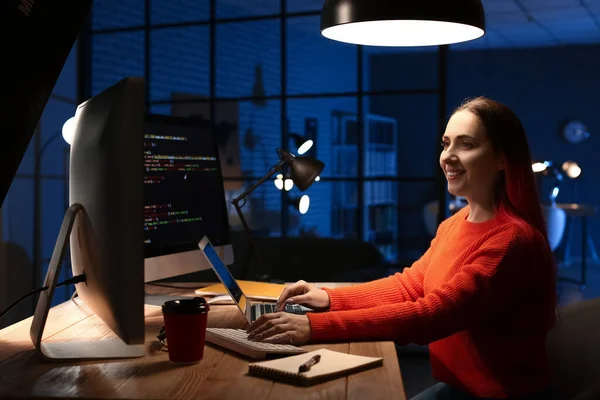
(116, 56)
(179, 62)
(248, 59)
(377, 176)
(316, 65)
(243, 8)
(179, 11)
(115, 14)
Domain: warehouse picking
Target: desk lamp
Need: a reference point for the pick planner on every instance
(303, 172)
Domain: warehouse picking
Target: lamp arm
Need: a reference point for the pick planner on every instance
(273, 169)
(238, 209)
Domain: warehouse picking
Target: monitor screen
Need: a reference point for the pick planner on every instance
(34, 51)
(222, 271)
(183, 186)
(223, 274)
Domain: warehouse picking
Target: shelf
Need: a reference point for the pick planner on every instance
(380, 216)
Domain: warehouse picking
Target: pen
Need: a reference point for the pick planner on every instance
(306, 366)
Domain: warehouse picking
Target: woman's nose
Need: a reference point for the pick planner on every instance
(448, 155)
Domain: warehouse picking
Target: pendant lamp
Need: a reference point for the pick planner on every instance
(402, 22)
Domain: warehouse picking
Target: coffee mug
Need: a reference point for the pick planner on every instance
(185, 329)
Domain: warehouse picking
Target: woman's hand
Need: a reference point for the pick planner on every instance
(305, 294)
(280, 327)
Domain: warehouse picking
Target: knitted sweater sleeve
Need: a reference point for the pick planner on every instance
(402, 286)
(490, 277)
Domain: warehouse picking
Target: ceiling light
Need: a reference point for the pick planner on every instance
(402, 22)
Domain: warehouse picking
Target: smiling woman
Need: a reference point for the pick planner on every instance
(482, 296)
(471, 164)
(507, 167)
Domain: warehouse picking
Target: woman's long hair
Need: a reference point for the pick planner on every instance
(516, 191)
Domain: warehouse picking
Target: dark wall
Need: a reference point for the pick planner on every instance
(544, 87)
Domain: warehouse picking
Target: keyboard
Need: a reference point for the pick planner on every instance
(237, 340)
(259, 309)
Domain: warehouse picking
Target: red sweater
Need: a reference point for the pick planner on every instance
(482, 297)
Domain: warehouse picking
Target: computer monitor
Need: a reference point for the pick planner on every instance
(105, 178)
(147, 186)
(184, 196)
(34, 50)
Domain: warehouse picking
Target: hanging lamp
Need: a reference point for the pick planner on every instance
(402, 22)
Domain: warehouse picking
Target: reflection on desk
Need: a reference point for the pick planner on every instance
(220, 375)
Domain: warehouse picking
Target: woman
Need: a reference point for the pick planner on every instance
(482, 296)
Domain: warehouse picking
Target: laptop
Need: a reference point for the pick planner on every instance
(251, 310)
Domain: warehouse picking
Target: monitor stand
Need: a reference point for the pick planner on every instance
(77, 350)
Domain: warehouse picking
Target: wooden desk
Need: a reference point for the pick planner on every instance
(220, 375)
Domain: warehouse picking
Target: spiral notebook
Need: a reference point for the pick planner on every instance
(332, 365)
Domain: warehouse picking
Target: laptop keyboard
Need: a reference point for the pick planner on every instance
(259, 309)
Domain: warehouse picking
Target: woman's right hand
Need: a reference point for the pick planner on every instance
(304, 294)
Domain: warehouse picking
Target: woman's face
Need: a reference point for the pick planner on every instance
(469, 161)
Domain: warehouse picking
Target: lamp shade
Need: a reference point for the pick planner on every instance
(303, 170)
(402, 22)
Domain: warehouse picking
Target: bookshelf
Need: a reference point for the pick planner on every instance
(380, 219)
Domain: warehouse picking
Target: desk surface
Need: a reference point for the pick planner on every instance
(220, 375)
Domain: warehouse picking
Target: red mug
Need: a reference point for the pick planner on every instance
(185, 328)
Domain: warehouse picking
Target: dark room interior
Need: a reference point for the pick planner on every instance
(263, 79)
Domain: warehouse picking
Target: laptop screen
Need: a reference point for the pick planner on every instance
(223, 273)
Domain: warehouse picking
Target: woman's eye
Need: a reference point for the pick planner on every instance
(445, 144)
(466, 145)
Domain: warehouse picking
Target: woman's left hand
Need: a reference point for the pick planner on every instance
(280, 327)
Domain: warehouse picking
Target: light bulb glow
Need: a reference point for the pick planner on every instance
(304, 204)
(288, 184)
(68, 130)
(572, 169)
(405, 33)
(306, 146)
(278, 183)
(538, 167)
